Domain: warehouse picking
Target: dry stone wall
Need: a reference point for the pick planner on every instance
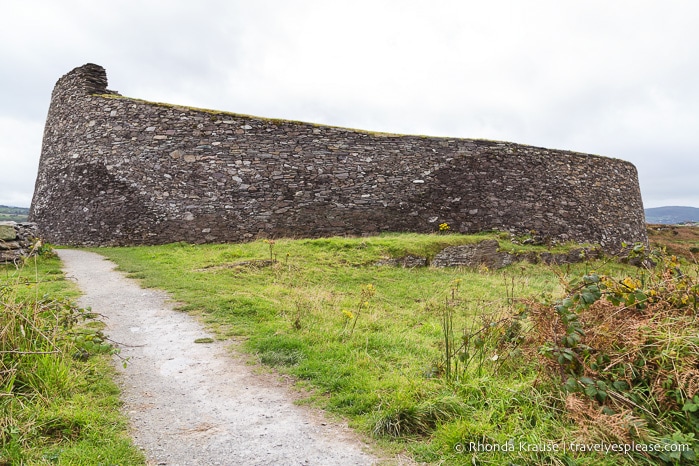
(117, 170)
(16, 240)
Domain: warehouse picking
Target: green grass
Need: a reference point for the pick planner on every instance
(376, 356)
(367, 343)
(12, 218)
(58, 403)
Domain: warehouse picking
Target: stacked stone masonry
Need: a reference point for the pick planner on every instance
(117, 171)
(16, 240)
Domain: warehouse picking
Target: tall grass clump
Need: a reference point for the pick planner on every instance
(54, 403)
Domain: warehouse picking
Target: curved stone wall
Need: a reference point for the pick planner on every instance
(116, 171)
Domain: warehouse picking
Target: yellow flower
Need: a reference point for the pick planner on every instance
(348, 314)
(369, 291)
(630, 283)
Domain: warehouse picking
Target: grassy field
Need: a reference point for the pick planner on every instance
(58, 404)
(435, 362)
(15, 214)
(12, 218)
(680, 240)
(529, 364)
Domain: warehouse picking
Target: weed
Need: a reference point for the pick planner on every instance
(487, 338)
(350, 318)
(204, 340)
(270, 243)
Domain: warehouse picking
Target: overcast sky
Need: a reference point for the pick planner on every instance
(614, 78)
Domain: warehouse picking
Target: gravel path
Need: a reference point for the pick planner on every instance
(198, 404)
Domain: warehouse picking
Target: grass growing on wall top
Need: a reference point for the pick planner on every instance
(372, 343)
(275, 121)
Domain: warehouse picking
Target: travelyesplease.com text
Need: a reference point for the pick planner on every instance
(625, 448)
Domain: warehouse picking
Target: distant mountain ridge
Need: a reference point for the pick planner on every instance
(672, 214)
(15, 214)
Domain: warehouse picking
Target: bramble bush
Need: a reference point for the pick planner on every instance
(626, 352)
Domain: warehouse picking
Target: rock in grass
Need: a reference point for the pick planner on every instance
(8, 231)
(474, 255)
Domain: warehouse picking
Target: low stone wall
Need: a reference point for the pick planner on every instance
(16, 240)
(487, 253)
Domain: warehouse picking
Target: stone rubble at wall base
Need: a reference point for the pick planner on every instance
(487, 253)
(16, 240)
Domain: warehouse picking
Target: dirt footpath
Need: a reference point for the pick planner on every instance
(198, 404)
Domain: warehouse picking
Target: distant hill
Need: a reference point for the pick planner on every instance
(15, 214)
(672, 215)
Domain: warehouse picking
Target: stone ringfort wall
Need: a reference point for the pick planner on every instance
(116, 171)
